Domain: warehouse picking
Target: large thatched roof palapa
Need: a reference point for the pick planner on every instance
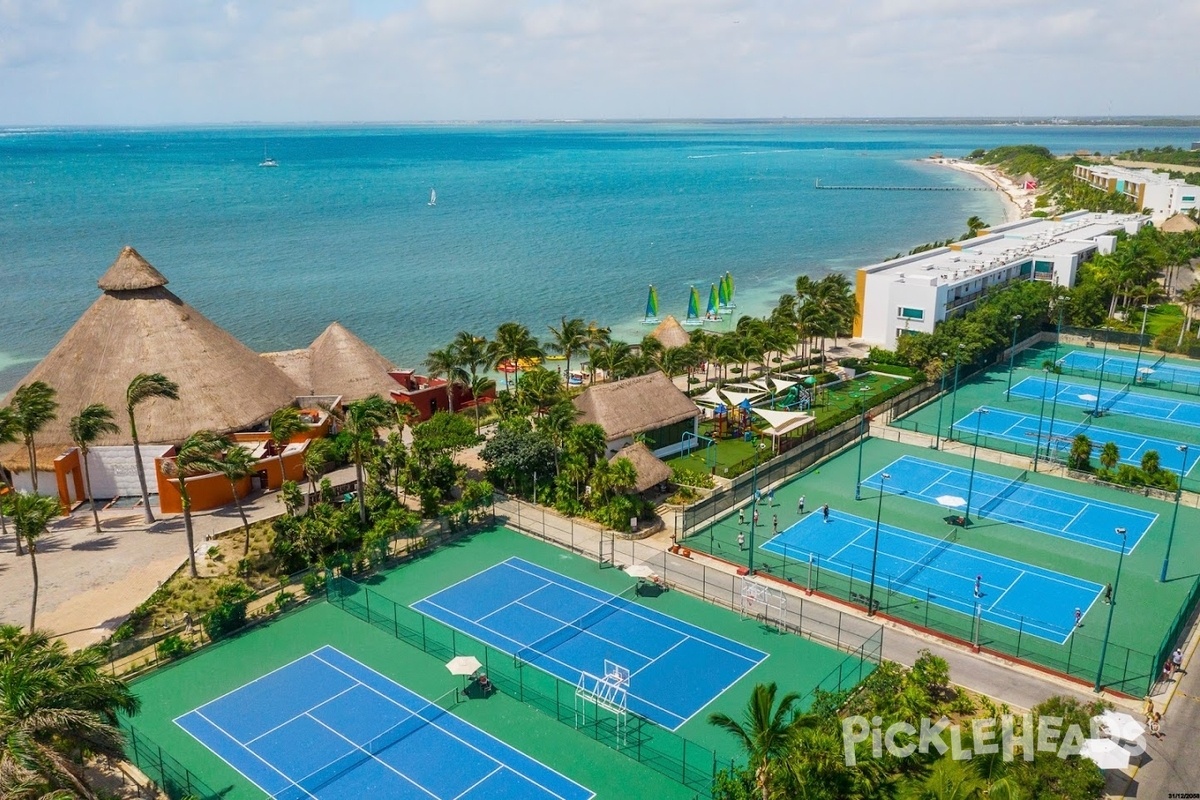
(337, 363)
(650, 471)
(135, 326)
(1180, 223)
(670, 333)
(634, 405)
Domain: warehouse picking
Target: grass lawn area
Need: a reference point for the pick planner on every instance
(1160, 319)
(849, 394)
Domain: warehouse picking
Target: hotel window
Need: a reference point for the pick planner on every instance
(1189, 198)
(910, 313)
(1026, 267)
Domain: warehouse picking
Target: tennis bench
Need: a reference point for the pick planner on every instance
(864, 600)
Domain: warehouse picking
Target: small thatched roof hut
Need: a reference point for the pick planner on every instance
(670, 333)
(1180, 223)
(650, 471)
(635, 405)
(135, 326)
(337, 363)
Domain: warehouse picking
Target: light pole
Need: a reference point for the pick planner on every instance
(1053, 407)
(1100, 383)
(754, 498)
(954, 395)
(1183, 448)
(1058, 336)
(937, 434)
(1141, 341)
(862, 421)
(1037, 442)
(1012, 353)
(1112, 604)
(979, 412)
(875, 548)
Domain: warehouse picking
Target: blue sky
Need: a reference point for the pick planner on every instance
(193, 61)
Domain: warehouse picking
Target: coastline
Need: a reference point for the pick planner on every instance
(1018, 201)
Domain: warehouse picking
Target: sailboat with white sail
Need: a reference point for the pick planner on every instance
(267, 160)
(433, 197)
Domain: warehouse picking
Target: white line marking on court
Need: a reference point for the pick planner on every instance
(304, 713)
(481, 780)
(369, 757)
(233, 739)
(588, 632)
(652, 660)
(514, 602)
(503, 746)
(243, 686)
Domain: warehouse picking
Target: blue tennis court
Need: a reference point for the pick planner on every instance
(1029, 506)
(569, 629)
(326, 726)
(1120, 401)
(1023, 428)
(1019, 596)
(1128, 368)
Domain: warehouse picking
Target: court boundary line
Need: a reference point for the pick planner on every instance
(357, 683)
(370, 757)
(1149, 517)
(644, 613)
(1176, 405)
(588, 632)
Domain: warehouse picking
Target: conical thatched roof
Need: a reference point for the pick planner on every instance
(137, 326)
(337, 363)
(635, 405)
(650, 471)
(670, 333)
(1180, 223)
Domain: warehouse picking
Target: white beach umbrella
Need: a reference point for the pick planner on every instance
(463, 665)
(1106, 753)
(951, 501)
(1120, 725)
(639, 571)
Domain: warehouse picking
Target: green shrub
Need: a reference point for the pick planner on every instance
(173, 647)
(313, 583)
(686, 476)
(230, 611)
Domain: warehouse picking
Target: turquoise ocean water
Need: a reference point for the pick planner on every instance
(532, 221)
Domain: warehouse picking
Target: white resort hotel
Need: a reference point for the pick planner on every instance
(916, 292)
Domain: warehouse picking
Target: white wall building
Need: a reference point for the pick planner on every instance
(1166, 196)
(916, 292)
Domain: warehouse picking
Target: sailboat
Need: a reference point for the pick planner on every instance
(713, 313)
(729, 291)
(651, 317)
(693, 311)
(267, 160)
(722, 294)
(433, 197)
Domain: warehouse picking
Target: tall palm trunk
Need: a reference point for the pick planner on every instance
(186, 503)
(358, 478)
(32, 451)
(237, 500)
(33, 604)
(16, 533)
(87, 488)
(141, 473)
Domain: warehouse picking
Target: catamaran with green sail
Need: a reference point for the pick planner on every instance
(725, 291)
(713, 313)
(651, 317)
(693, 312)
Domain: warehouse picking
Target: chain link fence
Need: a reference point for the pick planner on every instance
(170, 776)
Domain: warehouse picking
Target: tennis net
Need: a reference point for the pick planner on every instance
(1116, 398)
(919, 566)
(576, 626)
(1003, 494)
(314, 782)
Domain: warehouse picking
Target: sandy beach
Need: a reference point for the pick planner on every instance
(1018, 201)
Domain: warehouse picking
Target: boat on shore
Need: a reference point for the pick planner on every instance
(693, 311)
(713, 312)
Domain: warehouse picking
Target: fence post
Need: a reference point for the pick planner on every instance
(367, 604)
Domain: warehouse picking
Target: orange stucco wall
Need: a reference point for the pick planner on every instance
(213, 491)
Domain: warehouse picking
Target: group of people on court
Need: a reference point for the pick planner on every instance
(770, 498)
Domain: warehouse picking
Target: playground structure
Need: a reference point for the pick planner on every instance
(693, 441)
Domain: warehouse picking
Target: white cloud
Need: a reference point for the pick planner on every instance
(113, 61)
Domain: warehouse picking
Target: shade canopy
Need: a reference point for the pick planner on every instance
(784, 422)
(737, 398)
(1106, 753)
(951, 501)
(710, 398)
(463, 665)
(1120, 725)
(639, 571)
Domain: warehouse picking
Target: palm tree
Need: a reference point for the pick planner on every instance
(31, 518)
(568, 338)
(143, 387)
(974, 226)
(316, 456)
(239, 463)
(33, 405)
(199, 454)
(1151, 462)
(56, 704)
(513, 344)
(1110, 455)
(473, 355)
(764, 733)
(8, 435)
(613, 358)
(406, 414)
(91, 423)
(951, 780)
(1081, 452)
(540, 388)
(285, 423)
(363, 419)
(447, 363)
(1191, 301)
(480, 385)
